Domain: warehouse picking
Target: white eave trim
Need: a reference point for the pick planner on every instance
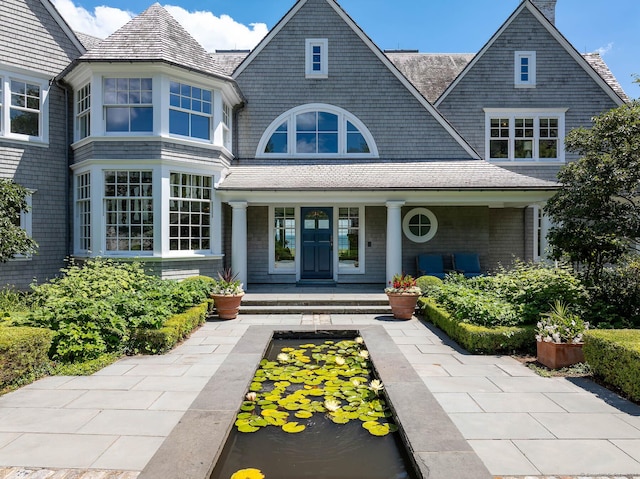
(64, 25)
(559, 38)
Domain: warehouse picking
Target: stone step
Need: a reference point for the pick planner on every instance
(320, 308)
(306, 301)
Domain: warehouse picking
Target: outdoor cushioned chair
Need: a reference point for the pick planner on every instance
(467, 264)
(430, 265)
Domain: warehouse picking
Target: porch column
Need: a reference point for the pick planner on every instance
(239, 240)
(394, 238)
(545, 225)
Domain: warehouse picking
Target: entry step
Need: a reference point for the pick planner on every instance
(246, 309)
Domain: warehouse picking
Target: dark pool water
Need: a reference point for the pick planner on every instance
(324, 450)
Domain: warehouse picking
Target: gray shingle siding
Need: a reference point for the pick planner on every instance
(561, 83)
(32, 40)
(359, 82)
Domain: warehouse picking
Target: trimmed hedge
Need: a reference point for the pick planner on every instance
(614, 356)
(176, 328)
(22, 351)
(479, 339)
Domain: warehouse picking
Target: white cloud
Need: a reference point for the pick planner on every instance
(604, 50)
(212, 32)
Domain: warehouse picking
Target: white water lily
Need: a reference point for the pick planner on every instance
(332, 405)
(340, 360)
(376, 386)
(251, 396)
(355, 382)
(364, 354)
(359, 340)
(283, 357)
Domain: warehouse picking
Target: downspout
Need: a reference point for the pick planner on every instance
(69, 193)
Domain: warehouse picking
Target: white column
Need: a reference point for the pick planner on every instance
(544, 231)
(239, 240)
(394, 238)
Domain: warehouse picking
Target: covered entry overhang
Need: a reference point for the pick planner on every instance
(320, 192)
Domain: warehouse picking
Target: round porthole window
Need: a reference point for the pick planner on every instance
(420, 225)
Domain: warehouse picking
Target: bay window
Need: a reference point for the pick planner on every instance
(190, 111)
(128, 104)
(190, 212)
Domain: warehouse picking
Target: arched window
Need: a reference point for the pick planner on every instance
(317, 130)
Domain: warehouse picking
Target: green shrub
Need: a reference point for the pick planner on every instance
(615, 300)
(614, 356)
(470, 305)
(23, 350)
(479, 339)
(13, 300)
(176, 328)
(534, 287)
(428, 284)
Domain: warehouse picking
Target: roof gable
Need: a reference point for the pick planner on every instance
(555, 33)
(154, 36)
(348, 21)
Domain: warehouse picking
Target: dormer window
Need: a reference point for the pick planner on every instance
(317, 58)
(317, 130)
(128, 104)
(525, 69)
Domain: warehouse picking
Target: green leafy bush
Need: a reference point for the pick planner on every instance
(22, 351)
(615, 299)
(479, 339)
(94, 307)
(428, 284)
(471, 305)
(534, 287)
(614, 356)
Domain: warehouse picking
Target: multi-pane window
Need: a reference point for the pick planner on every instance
(317, 132)
(25, 108)
(316, 63)
(190, 111)
(278, 141)
(128, 104)
(420, 225)
(129, 210)
(1, 102)
(349, 238)
(226, 126)
(355, 140)
(83, 209)
(529, 136)
(525, 69)
(83, 111)
(285, 238)
(190, 212)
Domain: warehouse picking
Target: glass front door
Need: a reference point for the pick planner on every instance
(317, 243)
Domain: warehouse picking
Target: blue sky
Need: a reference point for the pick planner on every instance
(435, 26)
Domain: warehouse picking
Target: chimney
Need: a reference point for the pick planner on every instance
(548, 8)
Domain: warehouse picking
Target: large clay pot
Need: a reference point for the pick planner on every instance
(403, 305)
(559, 355)
(227, 306)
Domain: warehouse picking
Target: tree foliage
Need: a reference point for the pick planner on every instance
(14, 240)
(596, 212)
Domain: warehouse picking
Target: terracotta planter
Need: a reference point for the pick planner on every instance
(559, 355)
(226, 306)
(403, 305)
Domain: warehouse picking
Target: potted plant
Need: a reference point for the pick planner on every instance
(403, 294)
(559, 337)
(227, 294)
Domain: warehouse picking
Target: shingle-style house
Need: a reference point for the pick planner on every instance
(316, 157)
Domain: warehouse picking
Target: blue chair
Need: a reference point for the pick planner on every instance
(467, 264)
(430, 265)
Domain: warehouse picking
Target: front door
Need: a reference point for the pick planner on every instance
(317, 243)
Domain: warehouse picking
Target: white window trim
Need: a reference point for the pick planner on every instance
(323, 43)
(343, 117)
(536, 114)
(272, 242)
(26, 223)
(192, 112)
(518, 82)
(420, 211)
(77, 113)
(6, 76)
(361, 241)
(155, 101)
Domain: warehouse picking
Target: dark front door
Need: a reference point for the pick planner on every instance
(317, 243)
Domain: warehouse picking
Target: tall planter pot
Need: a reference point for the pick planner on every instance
(227, 306)
(403, 305)
(559, 355)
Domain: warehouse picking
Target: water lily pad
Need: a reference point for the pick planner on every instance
(293, 427)
(247, 428)
(303, 414)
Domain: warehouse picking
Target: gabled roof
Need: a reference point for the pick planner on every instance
(459, 175)
(376, 51)
(89, 41)
(63, 24)
(154, 36)
(551, 28)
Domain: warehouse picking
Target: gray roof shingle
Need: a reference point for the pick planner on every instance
(598, 64)
(228, 61)
(152, 36)
(88, 41)
(378, 174)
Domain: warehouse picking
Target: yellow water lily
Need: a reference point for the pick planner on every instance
(248, 474)
(359, 340)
